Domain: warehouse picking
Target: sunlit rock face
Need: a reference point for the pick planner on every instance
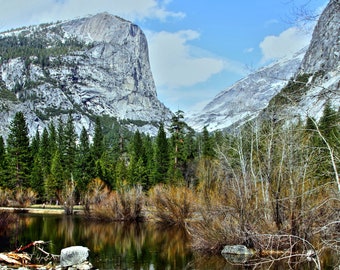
(321, 62)
(324, 49)
(247, 98)
(99, 66)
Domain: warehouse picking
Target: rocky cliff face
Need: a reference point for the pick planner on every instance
(98, 65)
(323, 52)
(321, 64)
(245, 99)
(318, 64)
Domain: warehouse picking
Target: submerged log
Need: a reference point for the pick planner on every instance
(20, 258)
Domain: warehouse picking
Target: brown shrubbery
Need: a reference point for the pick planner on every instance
(18, 198)
(123, 205)
(172, 205)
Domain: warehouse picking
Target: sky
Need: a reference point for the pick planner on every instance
(197, 48)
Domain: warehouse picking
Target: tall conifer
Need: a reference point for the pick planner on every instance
(98, 140)
(70, 139)
(161, 156)
(19, 151)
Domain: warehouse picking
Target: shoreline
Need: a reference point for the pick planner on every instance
(39, 209)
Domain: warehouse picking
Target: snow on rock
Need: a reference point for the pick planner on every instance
(110, 76)
(246, 98)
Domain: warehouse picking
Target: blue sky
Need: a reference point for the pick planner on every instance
(197, 48)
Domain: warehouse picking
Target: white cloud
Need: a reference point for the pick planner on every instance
(271, 22)
(175, 63)
(16, 13)
(248, 50)
(285, 44)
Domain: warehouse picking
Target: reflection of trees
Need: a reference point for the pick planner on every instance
(124, 245)
(171, 243)
(123, 237)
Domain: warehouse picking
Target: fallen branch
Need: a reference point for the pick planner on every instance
(35, 243)
(15, 258)
(20, 258)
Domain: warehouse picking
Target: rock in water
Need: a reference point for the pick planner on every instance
(237, 253)
(237, 250)
(73, 255)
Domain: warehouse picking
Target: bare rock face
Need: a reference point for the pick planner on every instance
(321, 63)
(247, 98)
(324, 50)
(97, 65)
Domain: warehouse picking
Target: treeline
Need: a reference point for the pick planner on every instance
(51, 161)
(38, 44)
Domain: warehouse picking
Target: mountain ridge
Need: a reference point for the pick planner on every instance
(96, 65)
(246, 98)
(265, 90)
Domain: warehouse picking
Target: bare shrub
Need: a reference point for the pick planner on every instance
(172, 205)
(4, 197)
(97, 191)
(124, 205)
(68, 197)
(25, 197)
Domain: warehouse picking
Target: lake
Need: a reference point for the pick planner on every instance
(114, 245)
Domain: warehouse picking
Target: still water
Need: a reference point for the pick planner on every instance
(114, 245)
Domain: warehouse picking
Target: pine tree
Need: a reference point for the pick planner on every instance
(136, 169)
(177, 132)
(137, 150)
(45, 153)
(329, 124)
(19, 151)
(52, 140)
(60, 138)
(55, 181)
(162, 157)
(35, 144)
(98, 140)
(148, 161)
(85, 164)
(3, 164)
(207, 144)
(328, 143)
(120, 174)
(70, 137)
(37, 177)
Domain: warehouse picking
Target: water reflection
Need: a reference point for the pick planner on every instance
(116, 245)
(112, 245)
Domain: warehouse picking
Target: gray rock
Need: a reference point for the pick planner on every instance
(82, 266)
(237, 250)
(237, 253)
(73, 255)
